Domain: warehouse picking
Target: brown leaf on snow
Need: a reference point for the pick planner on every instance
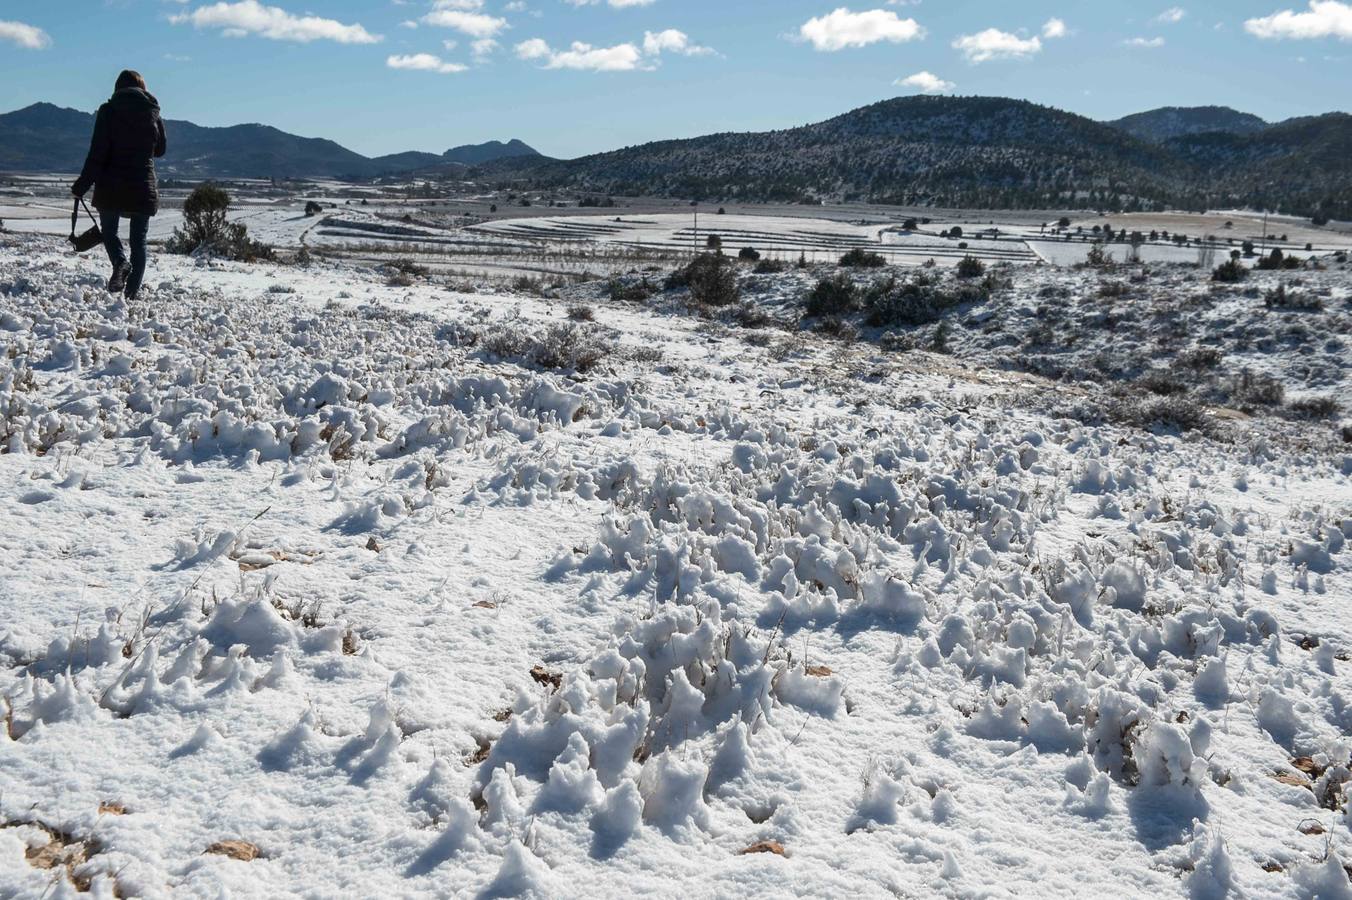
(1293, 780)
(774, 847)
(544, 676)
(240, 850)
(112, 808)
(818, 671)
(485, 604)
(1310, 826)
(1308, 766)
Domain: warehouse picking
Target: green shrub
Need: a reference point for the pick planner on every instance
(920, 302)
(630, 291)
(833, 296)
(859, 258)
(1230, 272)
(970, 267)
(769, 267)
(711, 278)
(206, 229)
(748, 254)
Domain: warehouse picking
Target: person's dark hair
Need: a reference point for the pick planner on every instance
(130, 78)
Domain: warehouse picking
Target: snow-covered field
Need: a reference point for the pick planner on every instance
(307, 592)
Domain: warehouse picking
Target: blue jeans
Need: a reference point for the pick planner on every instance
(140, 225)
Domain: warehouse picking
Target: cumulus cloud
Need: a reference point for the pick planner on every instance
(626, 57)
(1324, 18)
(1171, 16)
(926, 83)
(475, 24)
(620, 58)
(1148, 43)
(671, 41)
(842, 28)
(251, 17)
(996, 44)
(29, 37)
(1054, 28)
(424, 62)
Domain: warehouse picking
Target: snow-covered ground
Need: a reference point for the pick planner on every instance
(307, 592)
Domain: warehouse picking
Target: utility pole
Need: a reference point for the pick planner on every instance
(1265, 232)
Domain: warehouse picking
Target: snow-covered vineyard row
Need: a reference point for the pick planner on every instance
(307, 592)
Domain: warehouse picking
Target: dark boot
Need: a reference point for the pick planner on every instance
(119, 280)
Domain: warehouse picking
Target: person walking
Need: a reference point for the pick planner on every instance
(128, 137)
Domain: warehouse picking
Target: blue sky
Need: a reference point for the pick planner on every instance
(577, 76)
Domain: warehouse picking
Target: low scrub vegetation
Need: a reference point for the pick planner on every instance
(565, 346)
(859, 258)
(711, 279)
(206, 229)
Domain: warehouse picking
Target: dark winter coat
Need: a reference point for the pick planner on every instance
(128, 135)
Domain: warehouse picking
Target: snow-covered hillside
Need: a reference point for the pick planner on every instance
(307, 591)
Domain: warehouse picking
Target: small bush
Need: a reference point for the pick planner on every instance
(312, 208)
(1280, 298)
(1164, 382)
(713, 242)
(1230, 272)
(920, 302)
(630, 291)
(205, 229)
(859, 258)
(1249, 390)
(566, 346)
(711, 279)
(525, 284)
(749, 315)
(1199, 359)
(837, 327)
(1315, 407)
(769, 267)
(970, 267)
(748, 254)
(580, 312)
(833, 296)
(1178, 412)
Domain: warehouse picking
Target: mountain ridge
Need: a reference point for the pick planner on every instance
(974, 152)
(47, 137)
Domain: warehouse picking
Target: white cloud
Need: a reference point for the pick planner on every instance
(996, 44)
(424, 62)
(926, 83)
(1324, 18)
(842, 28)
(671, 41)
(29, 37)
(535, 48)
(1171, 16)
(1054, 28)
(251, 17)
(625, 57)
(483, 48)
(584, 57)
(1149, 43)
(474, 24)
(616, 4)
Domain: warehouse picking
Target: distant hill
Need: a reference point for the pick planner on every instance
(976, 152)
(43, 137)
(478, 154)
(1159, 125)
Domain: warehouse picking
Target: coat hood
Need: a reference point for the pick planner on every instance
(133, 98)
